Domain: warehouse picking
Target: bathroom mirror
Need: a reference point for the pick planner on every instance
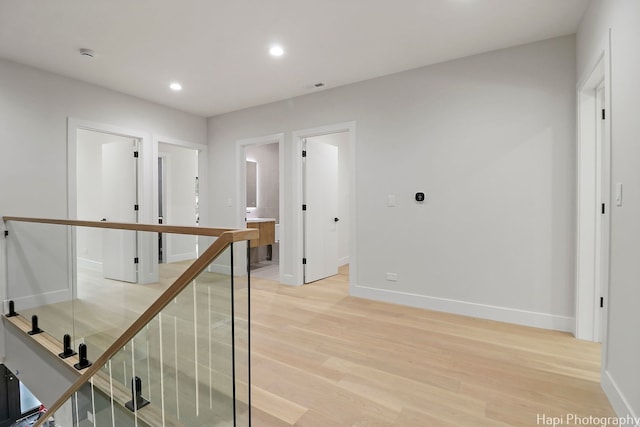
(252, 184)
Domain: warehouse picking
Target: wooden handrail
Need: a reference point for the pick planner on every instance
(156, 228)
(198, 266)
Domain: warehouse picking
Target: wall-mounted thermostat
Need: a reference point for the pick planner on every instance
(419, 197)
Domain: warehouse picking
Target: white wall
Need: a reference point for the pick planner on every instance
(268, 190)
(34, 108)
(621, 376)
(181, 170)
(341, 140)
(489, 139)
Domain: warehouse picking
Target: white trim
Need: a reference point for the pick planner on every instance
(186, 256)
(297, 249)
(180, 143)
(89, 264)
(463, 308)
(344, 261)
(241, 198)
(589, 288)
(618, 401)
(220, 268)
(34, 301)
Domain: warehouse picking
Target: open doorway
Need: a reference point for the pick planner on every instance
(262, 208)
(107, 190)
(325, 205)
(326, 227)
(261, 201)
(178, 200)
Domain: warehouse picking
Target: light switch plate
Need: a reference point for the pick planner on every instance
(619, 194)
(391, 200)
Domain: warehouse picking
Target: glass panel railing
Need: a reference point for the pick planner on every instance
(242, 347)
(92, 406)
(107, 303)
(39, 276)
(86, 282)
(181, 364)
(188, 361)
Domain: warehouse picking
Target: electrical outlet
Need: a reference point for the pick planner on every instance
(90, 416)
(392, 277)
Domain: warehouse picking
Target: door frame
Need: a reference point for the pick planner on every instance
(298, 244)
(148, 262)
(241, 197)
(165, 161)
(590, 318)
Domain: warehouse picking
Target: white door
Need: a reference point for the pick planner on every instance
(321, 214)
(119, 200)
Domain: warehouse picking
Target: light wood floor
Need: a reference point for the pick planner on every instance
(322, 358)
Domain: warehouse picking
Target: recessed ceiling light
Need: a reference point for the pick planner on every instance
(276, 51)
(175, 86)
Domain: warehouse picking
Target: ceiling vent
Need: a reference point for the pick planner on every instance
(87, 52)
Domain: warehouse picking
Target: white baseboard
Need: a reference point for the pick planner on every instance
(187, 256)
(33, 301)
(289, 279)
(616, 398)
(501, 314)
(89, 264)
(220, 268)
(343, 261)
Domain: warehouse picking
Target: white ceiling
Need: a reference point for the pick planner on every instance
(218, 49)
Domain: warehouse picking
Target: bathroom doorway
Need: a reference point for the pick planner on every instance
(260, 203)
(263, 208)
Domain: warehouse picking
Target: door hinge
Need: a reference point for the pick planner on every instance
(603, 209)
(604, 115)
(304, 261)
(135, 154)
(304, 207)
(601, 302)
(304, 153)
(136, 260)
(136, 207)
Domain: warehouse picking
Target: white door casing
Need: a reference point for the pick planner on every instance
(593, 198)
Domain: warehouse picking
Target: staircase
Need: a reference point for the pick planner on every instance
(181, 344)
